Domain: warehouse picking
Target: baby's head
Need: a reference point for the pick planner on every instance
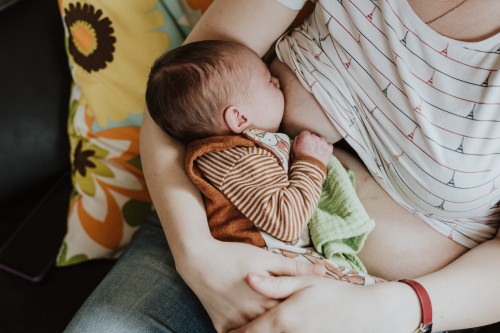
(211, 88)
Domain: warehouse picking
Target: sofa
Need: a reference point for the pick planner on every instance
(34, 94)
(35, 84)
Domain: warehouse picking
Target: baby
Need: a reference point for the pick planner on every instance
(220, 97)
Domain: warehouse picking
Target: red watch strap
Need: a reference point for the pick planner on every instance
(425, 304)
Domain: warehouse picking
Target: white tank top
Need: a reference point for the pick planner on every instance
(421, 110)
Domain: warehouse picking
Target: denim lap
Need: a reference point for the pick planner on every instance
(143, 292)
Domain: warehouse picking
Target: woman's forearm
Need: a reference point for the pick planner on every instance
(256, 24)
(466, 292)
(176, 199)
(179, 205)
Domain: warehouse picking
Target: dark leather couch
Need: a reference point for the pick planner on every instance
(34, 155)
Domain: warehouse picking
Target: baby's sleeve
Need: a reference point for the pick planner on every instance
(278, 203)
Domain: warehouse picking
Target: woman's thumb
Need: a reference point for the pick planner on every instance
(290, 267)
(275, 287)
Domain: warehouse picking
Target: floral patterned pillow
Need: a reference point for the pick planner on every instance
(111, 45)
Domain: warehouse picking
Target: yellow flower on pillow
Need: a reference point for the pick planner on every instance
(103, 45)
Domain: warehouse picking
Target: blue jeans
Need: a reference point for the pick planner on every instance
(143, 292)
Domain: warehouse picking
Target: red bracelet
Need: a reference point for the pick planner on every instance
(425, 304)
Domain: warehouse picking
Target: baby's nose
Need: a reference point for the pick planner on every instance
(276, 82)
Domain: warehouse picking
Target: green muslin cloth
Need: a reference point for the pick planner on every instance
(339, 225)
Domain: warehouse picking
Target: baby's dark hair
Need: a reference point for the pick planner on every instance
(189, 86)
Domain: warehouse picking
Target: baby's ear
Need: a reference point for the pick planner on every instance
(236, 119)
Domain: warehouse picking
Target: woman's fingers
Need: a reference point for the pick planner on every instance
(221, 286)
(313, 304)
(261, 324)
(291, 315)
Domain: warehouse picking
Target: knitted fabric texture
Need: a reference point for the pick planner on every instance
(340, 224)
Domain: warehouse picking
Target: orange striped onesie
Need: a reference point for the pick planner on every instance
(256, 180)
(251, 195)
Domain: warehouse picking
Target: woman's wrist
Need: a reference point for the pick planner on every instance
(187, 256)
(425, 305)
(400, 306)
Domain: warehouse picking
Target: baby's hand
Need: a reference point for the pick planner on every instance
(310, 144)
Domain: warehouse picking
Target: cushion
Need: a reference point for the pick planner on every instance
(111, 46)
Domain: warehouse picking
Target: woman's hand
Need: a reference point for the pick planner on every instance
(318, 304)
(218, 279)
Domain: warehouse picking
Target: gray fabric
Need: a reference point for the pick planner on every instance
(143, 293)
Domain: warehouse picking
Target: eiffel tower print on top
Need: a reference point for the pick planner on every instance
(428, 106)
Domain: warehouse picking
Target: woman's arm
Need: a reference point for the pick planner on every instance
(254, 23)
(177, 201)
(215, 271)
(466, 292)
(463, 294)
(217, 277)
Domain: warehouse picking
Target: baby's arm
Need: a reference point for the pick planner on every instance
(261, 189)
(277, 204)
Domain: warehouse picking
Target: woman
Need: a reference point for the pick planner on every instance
(462, 284)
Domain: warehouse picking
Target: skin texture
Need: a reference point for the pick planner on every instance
(262, 103)
(462, 285)
(308, 144)
(264, 107)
